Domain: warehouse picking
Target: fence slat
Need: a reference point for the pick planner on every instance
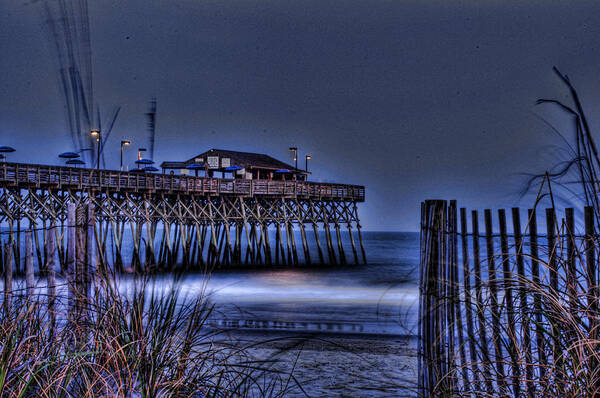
(487, 375)
(590, 260)
(571, 271)
(524, 308)
(468, 304)
(553, 275)
(452, 301)
(510, 311)
(537, 300)
(493, 287)
(529, 335)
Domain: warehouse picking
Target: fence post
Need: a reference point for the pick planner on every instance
(8, 275)
(432, 343)
(89, 247)
(29, 278)
(71, 255)
(50, 274)
(80, 250)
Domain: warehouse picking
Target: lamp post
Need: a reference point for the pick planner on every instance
(96, 133)
(123, 143)
(140, 150)
(307, 158)
(295, 150)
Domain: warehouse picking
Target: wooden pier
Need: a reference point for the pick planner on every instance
(178, 220)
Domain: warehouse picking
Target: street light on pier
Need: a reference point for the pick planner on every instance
(307, 158)
(295, 150)
(123, 143)
(96, 133)
(140, 150)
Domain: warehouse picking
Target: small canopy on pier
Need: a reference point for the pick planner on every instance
(144, 161)
(68, 155)
(76, 162)
(6, 149)
(150, 168)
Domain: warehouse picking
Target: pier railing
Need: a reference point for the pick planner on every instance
(59, 177)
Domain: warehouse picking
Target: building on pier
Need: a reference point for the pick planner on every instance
(236, 165)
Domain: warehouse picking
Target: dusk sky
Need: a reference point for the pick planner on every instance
(413, 99)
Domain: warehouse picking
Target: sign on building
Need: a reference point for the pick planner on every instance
(225, 162)
(213, 162)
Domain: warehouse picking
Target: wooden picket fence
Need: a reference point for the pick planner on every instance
(508, 314)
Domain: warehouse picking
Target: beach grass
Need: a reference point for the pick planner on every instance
(146, 341)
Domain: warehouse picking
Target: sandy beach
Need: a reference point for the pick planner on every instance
(330, 365)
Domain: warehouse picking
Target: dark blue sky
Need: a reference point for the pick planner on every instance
(413, 99)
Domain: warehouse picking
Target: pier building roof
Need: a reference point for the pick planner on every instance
(220, 159)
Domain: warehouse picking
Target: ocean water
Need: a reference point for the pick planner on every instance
(379, 298)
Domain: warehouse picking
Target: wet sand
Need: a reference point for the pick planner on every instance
(330, 365)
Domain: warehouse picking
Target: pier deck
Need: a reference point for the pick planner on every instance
(22, 175)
